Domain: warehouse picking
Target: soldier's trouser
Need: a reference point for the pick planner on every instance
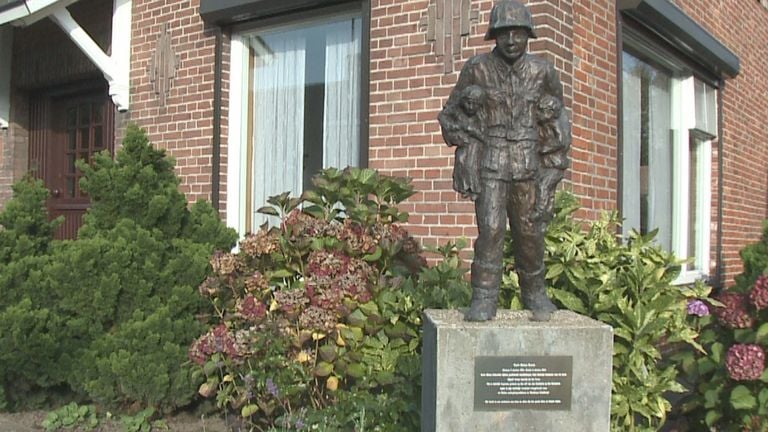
(513, 201)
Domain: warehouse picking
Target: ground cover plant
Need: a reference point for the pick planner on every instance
(107, 317)
(628, 284)
(317, 322)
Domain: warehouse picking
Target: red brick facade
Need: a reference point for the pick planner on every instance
(410, 79)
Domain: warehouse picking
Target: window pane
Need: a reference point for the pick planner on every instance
(85, 115)
(304, 104)
(693, 205)
(647, 163)
(706, 107)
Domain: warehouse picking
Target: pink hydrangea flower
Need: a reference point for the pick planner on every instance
(745, 362)
(759, 294)
(698, 308)
(734, 314)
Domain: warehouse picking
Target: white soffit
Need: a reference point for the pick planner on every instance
(116, 68)
(6, 48)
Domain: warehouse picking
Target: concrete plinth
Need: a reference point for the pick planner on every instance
(516, 375)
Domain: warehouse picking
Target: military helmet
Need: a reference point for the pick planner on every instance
(509, 13)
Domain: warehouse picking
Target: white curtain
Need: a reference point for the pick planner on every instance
(341, 117)
(647, 184)
(278, 122)
(660, 158)
(631, 130)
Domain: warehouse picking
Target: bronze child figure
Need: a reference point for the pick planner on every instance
(554, 141)
(510, 159)
(465, 131)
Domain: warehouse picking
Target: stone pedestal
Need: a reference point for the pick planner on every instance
(513, 374)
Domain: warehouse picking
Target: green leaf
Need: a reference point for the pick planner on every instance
(742, 398)
(375, 256)
(268, 210)
(763, 399)
(356, 370)
(762, 334)
(712, 417)
(764, 377)
(717, 352)
(569, 300)
(745, 336)
(280, 274)
(323, 369)
(249, 410)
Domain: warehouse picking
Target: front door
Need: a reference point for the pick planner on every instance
(67, 127)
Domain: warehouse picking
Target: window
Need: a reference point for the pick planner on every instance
(668, 124)
(295, 108)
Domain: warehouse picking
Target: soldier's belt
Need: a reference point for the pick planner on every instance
(514, 134)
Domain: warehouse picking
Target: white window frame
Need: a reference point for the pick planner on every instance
(687, 120)
(237, 148)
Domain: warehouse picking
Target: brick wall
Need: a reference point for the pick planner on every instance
(13, 146)
(415, 64)
(743, 27)
(595, 117)
(411, 79)
(184, 124)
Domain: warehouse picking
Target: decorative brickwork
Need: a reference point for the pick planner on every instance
(184, 124)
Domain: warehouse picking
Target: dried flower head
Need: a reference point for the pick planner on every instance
(251, 309)
(209, 287)
(256, 282)
(317, 318)
(734, 313)
(224, 264)
(263, 242)
(745, 362)
(291, 301)
(217, 340)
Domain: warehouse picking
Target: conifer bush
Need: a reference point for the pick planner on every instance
(108, 317)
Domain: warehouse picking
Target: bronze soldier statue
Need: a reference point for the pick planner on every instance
(511, 183)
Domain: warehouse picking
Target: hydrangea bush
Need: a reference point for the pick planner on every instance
(729, 385)
(317, 319)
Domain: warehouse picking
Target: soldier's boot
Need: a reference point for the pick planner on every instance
(486, 281)
(533, 289)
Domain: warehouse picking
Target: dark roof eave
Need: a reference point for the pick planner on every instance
(226, 12)
(669, 22)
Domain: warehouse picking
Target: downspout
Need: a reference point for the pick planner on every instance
(216, 139)
(719, 283)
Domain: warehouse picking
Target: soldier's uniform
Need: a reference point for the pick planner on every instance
(508, 168)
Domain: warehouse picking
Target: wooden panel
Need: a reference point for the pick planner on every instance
(73, 220)
(39, 131)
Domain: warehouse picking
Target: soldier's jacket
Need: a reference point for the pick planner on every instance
(509, 111)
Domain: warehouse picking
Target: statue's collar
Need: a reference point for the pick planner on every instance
(517, 67)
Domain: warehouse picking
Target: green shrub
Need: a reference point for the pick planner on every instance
(110, 315)
(728, 384)
(627, 284)
(24, 226)
(318, 320)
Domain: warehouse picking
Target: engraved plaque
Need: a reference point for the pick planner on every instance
(530, 383)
